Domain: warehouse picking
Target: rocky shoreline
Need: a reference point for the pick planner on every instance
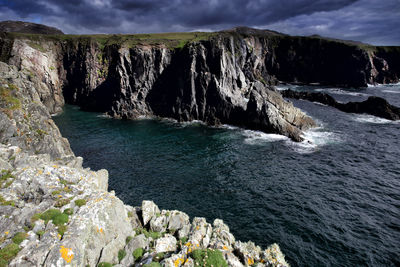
(56, 213)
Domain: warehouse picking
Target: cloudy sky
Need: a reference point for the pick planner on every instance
(372, 21)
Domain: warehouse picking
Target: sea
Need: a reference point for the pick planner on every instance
(331, 200)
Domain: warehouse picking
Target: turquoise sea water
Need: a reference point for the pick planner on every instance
(332, 200)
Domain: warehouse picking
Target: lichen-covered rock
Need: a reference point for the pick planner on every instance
(248, 252)
(158, 223)
(273, 256)
(24, 120)
(221, 237)
(177, 220)
(136, 242)
(165, 244)
(149, 210)
(200, 233)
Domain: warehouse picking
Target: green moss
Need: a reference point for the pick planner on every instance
(183, 240)
(68, 211)
(60, 219)
(56, 192)
(130, 214)
(41, 132)
(104, 264)
(13, 87)
(61, 202)
(40, 233)
(154, 235)
(8, 253)
(128, 239)
(61, 229)
(159, 257)
(208, 258)
(67, 189)
(4, 202)
(65, 182)
(121, 255)
(138, 253)
(55, 216)
(80, 202)
(153, 264)
(6, 178)
(19, 237)
(35, 217)
(52, 68)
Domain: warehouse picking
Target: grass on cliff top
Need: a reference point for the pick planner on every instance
(208, 258)
(170, 40)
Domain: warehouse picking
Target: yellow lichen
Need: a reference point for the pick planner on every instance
(225, 248)
(66, 254)
(250, 261)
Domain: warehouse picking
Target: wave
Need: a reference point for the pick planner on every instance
(391, 91)
(382, 85)
(339, 91)
(104, 116)
(372, 119)
(314, 139)
(257, 137)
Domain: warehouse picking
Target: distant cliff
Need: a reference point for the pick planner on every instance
(27, 27)
(222, 77)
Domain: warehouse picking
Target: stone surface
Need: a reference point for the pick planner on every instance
(165, 244)
(149, 210)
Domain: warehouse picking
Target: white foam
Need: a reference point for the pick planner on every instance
(257, 137)
(391, 91)
(283, 87)
(314, 139)
(104, 116)
(372, 119)
(191, 123)
(381, 85)
(339, 91)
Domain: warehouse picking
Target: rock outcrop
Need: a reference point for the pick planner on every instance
(375, 106)
(54, 212)
(27, 27)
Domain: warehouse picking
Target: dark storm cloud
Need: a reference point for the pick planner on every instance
(375, 21)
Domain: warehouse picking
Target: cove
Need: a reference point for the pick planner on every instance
(332, 202)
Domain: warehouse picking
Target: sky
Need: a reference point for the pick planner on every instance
(370, 21)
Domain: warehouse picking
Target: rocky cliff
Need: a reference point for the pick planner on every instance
(217, 78)
(27, 27)
(53, 212)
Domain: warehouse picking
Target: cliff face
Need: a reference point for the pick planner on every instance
(221, 78)
(215, 81)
